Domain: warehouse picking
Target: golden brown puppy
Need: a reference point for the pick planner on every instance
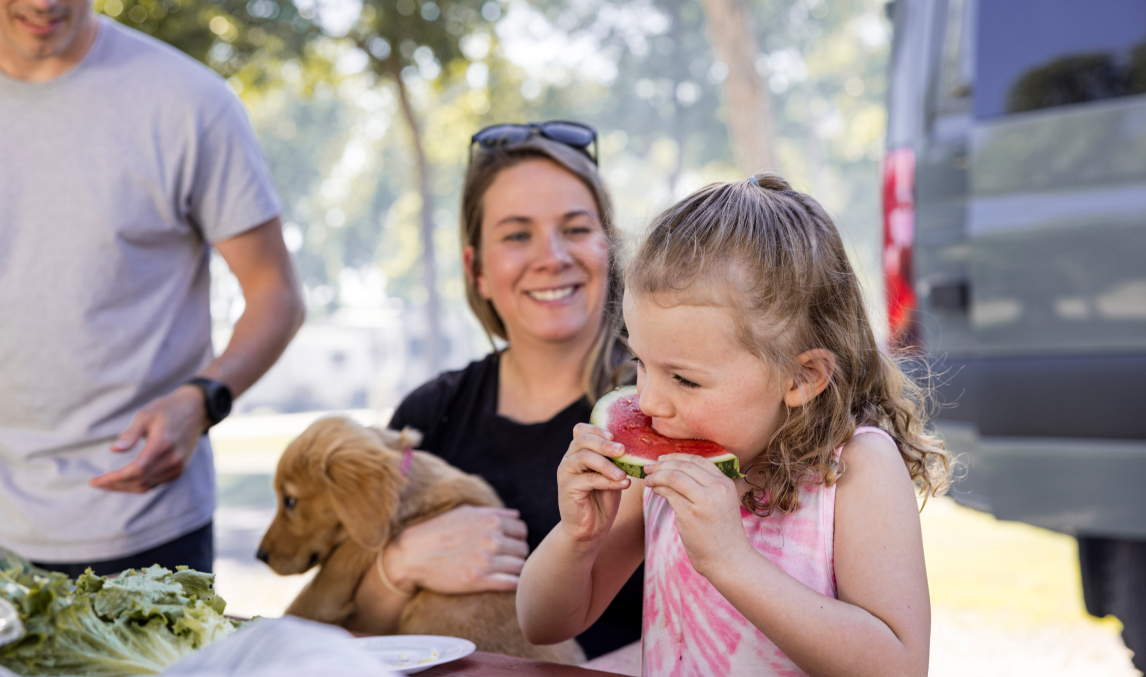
(342, 494)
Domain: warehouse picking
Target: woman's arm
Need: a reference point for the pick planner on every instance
(881, 623)
(468, 549)
(583, 562)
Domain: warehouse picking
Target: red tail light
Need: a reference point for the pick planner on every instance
(898, 242)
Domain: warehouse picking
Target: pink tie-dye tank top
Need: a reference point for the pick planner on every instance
(689, 628)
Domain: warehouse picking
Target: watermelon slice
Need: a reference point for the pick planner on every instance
(618, 412)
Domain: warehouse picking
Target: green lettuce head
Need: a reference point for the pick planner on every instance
(137, 623)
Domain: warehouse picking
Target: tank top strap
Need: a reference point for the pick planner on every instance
(866, 429)
(872, 429)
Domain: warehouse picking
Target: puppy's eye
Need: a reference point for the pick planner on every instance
(289, 502)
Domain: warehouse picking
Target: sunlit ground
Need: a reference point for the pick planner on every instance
(1007, 600)
(1006, 597)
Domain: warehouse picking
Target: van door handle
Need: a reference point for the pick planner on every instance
(947, 294)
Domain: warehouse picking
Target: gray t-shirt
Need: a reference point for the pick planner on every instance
(114, 177)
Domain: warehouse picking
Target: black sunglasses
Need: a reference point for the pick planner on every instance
(572, 134)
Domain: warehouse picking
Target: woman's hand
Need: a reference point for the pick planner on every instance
(706, 504)
(468, 549)
(589, 485)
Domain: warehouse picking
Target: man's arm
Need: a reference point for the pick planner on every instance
(274, 309)
(172, 424)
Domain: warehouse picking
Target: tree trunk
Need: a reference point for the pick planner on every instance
(429, 267)
(746, 101)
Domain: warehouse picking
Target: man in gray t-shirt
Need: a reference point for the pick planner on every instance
(122, 161)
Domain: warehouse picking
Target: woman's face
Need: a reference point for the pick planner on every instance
(544, 254)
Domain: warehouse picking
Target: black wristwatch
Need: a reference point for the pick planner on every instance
(217, 398)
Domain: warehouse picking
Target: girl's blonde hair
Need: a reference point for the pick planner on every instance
(775, 257)
(606, 363)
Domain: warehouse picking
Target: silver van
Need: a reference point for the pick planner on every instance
(1014, 192)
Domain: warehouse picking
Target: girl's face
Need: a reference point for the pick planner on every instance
(544, 254)
(696, 380)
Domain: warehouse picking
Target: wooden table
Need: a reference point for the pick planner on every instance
(482, 664)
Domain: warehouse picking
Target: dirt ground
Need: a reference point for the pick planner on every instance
(1005, 597)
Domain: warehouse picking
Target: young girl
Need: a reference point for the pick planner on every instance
(749, 330)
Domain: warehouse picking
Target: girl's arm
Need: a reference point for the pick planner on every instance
(881, 623)
(577, 570)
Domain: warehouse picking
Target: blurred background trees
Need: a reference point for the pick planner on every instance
(365, 109)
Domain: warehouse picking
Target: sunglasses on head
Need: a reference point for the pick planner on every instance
(572, 134)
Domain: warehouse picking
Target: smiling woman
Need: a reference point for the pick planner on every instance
(537, 239)
(540, 265)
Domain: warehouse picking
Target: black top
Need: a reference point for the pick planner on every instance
(457, 414)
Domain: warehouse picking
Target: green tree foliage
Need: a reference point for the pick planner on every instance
(234, 37)
(823, 60)
(666, 87)
(426, 36)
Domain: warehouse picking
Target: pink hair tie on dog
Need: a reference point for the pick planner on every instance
(407, 459)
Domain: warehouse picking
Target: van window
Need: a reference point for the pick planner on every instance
(956, 67)
(1035, 54)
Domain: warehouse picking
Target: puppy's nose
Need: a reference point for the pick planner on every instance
(263, 555)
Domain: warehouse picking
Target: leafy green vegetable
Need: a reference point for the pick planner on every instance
(137, 623)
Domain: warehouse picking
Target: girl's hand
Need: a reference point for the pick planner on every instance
(589, 485)
(706, 503)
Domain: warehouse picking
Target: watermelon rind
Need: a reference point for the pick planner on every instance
(634, 466)
(600, 414)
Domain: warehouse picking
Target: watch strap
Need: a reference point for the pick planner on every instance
(217, 398)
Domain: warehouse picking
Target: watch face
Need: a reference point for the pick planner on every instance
(217, 398)
(222, 401)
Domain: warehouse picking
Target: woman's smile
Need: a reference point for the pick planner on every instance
(553, 295)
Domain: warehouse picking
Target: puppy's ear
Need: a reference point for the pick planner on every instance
(393, 439)
(409, 438)
(364, 484)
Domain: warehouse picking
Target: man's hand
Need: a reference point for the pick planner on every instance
(170, 427)
(468, 549)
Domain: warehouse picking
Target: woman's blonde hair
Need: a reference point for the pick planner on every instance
(775, 257)
(606, 361)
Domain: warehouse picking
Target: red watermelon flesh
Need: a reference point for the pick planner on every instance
(619, 412)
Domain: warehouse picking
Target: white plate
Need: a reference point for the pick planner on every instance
(404, 654)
